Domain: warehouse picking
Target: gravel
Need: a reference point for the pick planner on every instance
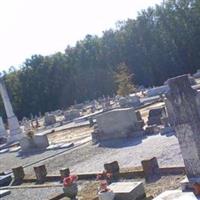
(91, 158)
(33, 194)
(129, 153)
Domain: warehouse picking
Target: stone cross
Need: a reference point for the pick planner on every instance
(15, 131)
(185, 102)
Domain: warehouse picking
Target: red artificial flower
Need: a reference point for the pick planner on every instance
(69, 180)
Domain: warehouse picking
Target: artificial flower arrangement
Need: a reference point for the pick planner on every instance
(104, 192)
(70, 186)
(67, 181)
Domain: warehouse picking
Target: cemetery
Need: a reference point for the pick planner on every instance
(106, 150)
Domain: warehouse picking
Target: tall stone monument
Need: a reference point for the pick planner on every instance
(15, 131)
(185, 102)
(2, 129)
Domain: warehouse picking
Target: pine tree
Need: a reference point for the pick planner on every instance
(124, 80)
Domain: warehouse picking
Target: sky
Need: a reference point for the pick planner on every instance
(29, 27)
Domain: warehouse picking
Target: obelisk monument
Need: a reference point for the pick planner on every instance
(15, 131)
(3, 132)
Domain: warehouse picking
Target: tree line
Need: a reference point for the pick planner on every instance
(160, 43)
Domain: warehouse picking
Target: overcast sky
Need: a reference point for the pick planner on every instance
(44, 27)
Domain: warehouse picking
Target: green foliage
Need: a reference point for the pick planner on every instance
(161, 43)
(124, 80)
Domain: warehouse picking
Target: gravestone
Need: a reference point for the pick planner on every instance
(64, 172)
(155, 116)
(40, 173)
(185, 102)
(18, 173)
(151, 169)
(112, 168)
(118, 123)
(26, 124)
(71, 114)
(34, 142)
(49, 119)
(128, 190)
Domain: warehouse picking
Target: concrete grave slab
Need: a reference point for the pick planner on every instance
(5, 180)
(176, 195)
(4, 193)
(128, 190)
(4, 151)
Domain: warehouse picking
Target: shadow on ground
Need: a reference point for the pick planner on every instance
(23, 155)
(122, 142)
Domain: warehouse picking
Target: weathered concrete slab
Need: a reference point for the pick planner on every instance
(4, 193)
(128, 190)
(176, 195)
(5, 180)
(60, 146)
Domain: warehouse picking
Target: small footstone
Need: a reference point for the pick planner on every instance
(176, 195)
(128, 190)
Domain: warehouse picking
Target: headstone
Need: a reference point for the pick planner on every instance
(27, 125)
(118, 123)
(176, 195)
(49, 119)
(134, 100)
(123, 102)
(15, 131)
(185, 102)
(40, 173)
(112, 168)
(155, 116)
(18, 173)
(138, 115)
(35, 142)
(71, 114)
(128, 190)
(151, 169)
(65, 172)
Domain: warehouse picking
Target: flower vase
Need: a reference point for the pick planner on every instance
(109, 195)
(71, 191)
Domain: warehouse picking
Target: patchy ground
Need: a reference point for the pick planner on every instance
(152, 189)
(88, 189)
(128, 153)
(70, 135)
